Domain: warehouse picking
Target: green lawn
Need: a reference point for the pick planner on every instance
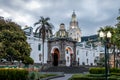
(93, 77)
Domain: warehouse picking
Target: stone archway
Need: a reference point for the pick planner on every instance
(69, 56)
(55, 57)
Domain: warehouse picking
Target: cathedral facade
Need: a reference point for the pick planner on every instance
(62, 49)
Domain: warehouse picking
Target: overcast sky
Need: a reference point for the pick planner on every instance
(91, 14)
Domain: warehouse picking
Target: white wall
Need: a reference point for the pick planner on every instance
(91, 55)
(34, 42)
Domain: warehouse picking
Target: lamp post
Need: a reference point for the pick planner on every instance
(106, 37)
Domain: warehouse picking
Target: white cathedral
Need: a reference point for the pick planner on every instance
(65, 48)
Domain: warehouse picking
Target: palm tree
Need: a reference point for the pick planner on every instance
(44, 30)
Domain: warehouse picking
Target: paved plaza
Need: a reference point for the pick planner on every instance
(66, 77)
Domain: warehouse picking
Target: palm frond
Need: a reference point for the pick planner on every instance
(45, 27)
(36, 23)
(37, 29)
(41, 18)
(46, 19)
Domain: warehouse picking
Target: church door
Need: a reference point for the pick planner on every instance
(55, 59)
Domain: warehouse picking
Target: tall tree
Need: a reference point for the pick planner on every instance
(117, 38)
(118, 31)
(13, 44)
(44, 29)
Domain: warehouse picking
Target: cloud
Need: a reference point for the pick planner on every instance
(33, 5)
(91, 14)
(3, 13)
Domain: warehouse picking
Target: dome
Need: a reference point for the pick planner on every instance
(62, 26)
(62, 31)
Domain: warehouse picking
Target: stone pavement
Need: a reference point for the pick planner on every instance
(66, 77)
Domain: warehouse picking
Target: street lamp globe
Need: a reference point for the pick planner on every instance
(101, 34)
(109, 34)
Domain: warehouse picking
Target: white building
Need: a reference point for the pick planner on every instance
(36, 46)
(86, 55)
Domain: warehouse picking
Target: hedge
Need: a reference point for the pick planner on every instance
(97, 70)
(13, 74)
(102, 70)
(91, 77)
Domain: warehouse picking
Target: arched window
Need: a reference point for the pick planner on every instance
(87, 61)
(40, 56)
(86, 53)
(67, 59)
(77, 52)
(39, 47)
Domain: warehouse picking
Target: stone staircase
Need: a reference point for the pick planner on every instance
(67, 70)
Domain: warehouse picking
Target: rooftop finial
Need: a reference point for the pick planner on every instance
(73, 12)
(74, 16)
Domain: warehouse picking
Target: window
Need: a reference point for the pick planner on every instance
(39, 47)
(86, 53)
(77, 52)
(40, 57)
(60, 33)
(91, 64)
(83, 63)
(67, 59)
(87, 61)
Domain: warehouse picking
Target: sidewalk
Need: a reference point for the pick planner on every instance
(66, 77)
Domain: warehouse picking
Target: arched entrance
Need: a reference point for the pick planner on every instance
(55, 57)
(69, 56)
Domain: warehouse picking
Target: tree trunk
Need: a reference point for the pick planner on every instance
(114, 57)
(43, 50)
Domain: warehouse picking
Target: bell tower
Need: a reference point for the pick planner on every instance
(74, 31)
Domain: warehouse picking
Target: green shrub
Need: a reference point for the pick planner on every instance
(34, 76)
(85, 77)
(13, 74)
(114, 70)
(102, 70)
(95, 75)
(97, 70)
